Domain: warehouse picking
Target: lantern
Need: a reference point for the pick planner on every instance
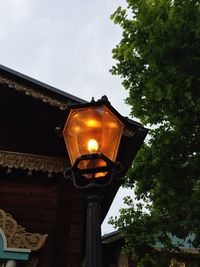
(92, 134)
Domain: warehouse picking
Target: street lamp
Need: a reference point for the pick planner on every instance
(93, 135)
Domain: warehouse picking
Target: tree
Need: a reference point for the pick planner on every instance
(158, 59)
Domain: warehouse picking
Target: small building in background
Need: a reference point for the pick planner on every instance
(113, 252)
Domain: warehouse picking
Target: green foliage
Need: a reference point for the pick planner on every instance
(158, 59)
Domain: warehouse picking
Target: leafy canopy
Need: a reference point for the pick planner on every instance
(158, 60)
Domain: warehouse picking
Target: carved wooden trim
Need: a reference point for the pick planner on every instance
(16, 235)
(33, 92)
(32, 162)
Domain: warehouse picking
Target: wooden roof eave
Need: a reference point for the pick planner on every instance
(30, 162)
(36, 89)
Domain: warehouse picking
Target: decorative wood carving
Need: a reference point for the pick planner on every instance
(33, 92)
(16, 235)
(32, 162)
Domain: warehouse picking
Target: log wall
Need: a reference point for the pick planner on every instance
(48, 206)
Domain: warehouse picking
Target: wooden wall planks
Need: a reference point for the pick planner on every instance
(49, 206)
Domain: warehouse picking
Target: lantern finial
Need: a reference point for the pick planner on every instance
(104, 98)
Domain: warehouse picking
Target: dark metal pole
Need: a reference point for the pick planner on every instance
(93, 231)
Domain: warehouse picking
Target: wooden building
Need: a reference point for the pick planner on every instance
(37, 203)
(32, 160)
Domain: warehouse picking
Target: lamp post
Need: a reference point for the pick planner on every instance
(93, 136)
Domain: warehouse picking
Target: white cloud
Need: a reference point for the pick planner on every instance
(64, 43)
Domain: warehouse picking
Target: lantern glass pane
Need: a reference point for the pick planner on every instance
(92, 130)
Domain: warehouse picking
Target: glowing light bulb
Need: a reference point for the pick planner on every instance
(92, 146)
(93, 123)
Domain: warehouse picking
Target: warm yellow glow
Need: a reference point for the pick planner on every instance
(92, 130)
(112, 125)
(77, 129)
(92, 145)
(92, 123)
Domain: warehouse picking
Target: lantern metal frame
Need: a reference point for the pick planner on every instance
(77, 175)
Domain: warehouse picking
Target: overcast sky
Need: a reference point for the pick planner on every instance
(66, 44)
